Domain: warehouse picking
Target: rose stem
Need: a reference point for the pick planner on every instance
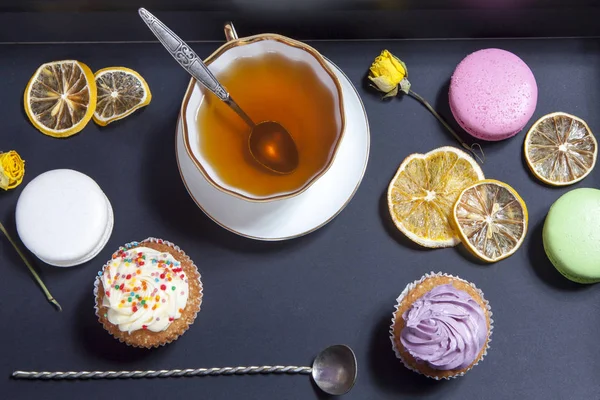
(31, 269)
(449, 128)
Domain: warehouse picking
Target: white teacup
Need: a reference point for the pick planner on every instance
(221, 59)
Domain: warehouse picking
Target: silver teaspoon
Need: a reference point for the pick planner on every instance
(269, 143)
(334, 371)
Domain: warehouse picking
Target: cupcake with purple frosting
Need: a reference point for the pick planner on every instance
(441, 327)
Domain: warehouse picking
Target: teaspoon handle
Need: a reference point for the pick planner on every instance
(183, 54)
(163, 373)
(190, 61)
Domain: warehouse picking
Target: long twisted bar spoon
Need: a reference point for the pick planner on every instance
(161, 373)
(334, 371)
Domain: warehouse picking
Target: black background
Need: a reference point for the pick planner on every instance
(321, 5)
(116, 20)
(280, 303)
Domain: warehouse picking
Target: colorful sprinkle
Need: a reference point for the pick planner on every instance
(140, 296)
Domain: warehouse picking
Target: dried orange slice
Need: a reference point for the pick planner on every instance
(423, 191)
(560, 149)
(121, 91)
(60, 98)
(491, 219)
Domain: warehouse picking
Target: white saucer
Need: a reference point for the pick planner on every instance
(299, 215)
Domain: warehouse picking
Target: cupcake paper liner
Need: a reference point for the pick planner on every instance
(399, 300)
(137, 244)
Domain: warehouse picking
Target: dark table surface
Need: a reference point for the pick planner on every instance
(280, 303)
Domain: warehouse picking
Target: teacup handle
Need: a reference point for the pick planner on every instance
(230, 33)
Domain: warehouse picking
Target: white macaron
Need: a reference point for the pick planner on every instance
(64, 217)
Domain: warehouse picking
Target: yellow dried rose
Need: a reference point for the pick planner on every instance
(388, 73)
(12, 170)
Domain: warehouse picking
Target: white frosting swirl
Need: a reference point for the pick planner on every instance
(144, 289)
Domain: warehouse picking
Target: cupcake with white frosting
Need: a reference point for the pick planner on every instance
(148, 294)
(441, 327)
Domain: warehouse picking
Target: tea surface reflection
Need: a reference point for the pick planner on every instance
(269, 87)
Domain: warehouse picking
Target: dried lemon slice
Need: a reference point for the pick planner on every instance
(60, 98)
(560, 149)
(121, 91)
(491, 219)
(423, 191)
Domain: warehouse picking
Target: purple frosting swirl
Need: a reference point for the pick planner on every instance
(446, 328)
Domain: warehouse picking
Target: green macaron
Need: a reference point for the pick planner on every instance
(572, 235)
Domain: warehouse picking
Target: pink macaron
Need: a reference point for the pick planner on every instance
(493, 94)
